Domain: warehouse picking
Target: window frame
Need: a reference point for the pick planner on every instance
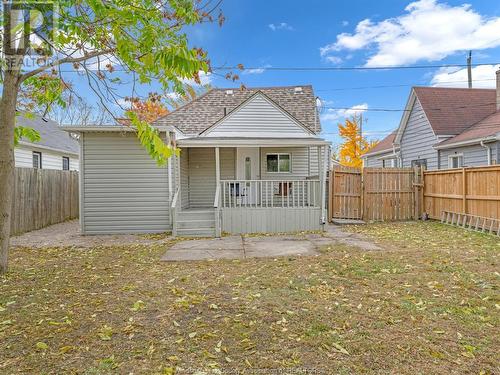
(63, 159)
(459, 156)
(278, 154)
(419, 162)
(39, 154)
(393, 163)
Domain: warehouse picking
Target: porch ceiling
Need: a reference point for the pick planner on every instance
(251, 142)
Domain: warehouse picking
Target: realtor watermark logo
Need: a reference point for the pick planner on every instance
(28, 31)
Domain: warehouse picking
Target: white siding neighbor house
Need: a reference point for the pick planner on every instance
(250, 161)
(444, 128)
(56, 149)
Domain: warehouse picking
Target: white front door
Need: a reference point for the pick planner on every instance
(247, 168)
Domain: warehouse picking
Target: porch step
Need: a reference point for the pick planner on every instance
(196, 232)
(202, 223)
(196, 215)
(196, 223)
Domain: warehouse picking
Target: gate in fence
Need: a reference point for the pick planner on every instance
(381, 194)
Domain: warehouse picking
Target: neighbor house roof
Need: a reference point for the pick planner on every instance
(201, 113)
(488, 127)
(52, 136)
(451, 111)
(385, 145)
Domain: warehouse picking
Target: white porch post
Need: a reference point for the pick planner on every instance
(322, 179)
(217, 166)
(217, 190)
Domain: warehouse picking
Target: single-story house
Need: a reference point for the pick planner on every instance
(444, 128)
(56, 149)
(250, 161)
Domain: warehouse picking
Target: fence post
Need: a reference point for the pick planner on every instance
(330, 194)
(464, 190)
(415, 193)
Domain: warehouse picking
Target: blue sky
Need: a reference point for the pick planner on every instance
(293, 33)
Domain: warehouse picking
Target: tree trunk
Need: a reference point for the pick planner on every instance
(7, 124)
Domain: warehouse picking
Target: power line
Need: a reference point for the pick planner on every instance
(349, 68)
(392, 86)
(409, 110)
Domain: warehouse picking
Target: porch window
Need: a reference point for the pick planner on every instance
(278, 163)
(455, 161)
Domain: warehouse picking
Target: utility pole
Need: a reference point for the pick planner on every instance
(360, 132)
(469, 69)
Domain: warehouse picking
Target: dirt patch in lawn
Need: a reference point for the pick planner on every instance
(67, 234)
(429, 304)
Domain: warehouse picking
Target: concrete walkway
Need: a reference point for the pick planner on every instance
(241, 247)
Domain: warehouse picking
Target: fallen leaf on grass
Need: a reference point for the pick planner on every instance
(339, 348)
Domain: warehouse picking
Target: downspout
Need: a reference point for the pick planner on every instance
(488, 150)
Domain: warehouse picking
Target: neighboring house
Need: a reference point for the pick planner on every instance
(251, 161)
(383, 155)
(445, 128)
(56, 149)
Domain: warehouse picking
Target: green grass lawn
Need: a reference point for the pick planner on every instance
(427, 304)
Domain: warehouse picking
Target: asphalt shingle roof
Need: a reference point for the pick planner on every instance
(207, 109)
(451, 111)
(385, 144)
(51, 134)
(484, 128)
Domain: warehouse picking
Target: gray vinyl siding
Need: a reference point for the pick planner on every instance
(474, 155)
(184, 170)
(227, 163)
(375, 161)
(123, 189)
(201, 177)
(258, 118)
(270, 220)
(418, 139)
(201, 172)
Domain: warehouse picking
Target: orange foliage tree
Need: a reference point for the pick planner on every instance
(149, 109)
(354, 145)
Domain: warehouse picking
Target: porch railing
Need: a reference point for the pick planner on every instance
(270, 193)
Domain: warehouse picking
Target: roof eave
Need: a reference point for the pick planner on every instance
(468, 142)
(43, 147)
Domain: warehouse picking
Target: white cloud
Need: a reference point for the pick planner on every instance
(331, 114)
(427, 31)
(334, 59)
(205, 78)
(345, 23)
(256, 70)
(483, 76)
(280, 26)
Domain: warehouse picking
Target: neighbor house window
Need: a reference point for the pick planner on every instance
(419, 163)
(456, 161)
(65, 160)
(37, 160)
(389, 163)
(278, 163)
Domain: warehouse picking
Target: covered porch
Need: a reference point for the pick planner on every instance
(249, 186)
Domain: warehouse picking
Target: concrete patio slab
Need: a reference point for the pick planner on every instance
(241, 247)
(202, 254)
(257, 247)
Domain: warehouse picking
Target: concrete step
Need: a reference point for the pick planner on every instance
(196, 232)
(202, 223)
(196, 215)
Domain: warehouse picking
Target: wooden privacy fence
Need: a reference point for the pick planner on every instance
(472, 191)
(43, 197)
(375, 193)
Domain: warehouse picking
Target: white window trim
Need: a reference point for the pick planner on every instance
(278, 154)
(39, 159)
(69, 163)
(450, 162)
